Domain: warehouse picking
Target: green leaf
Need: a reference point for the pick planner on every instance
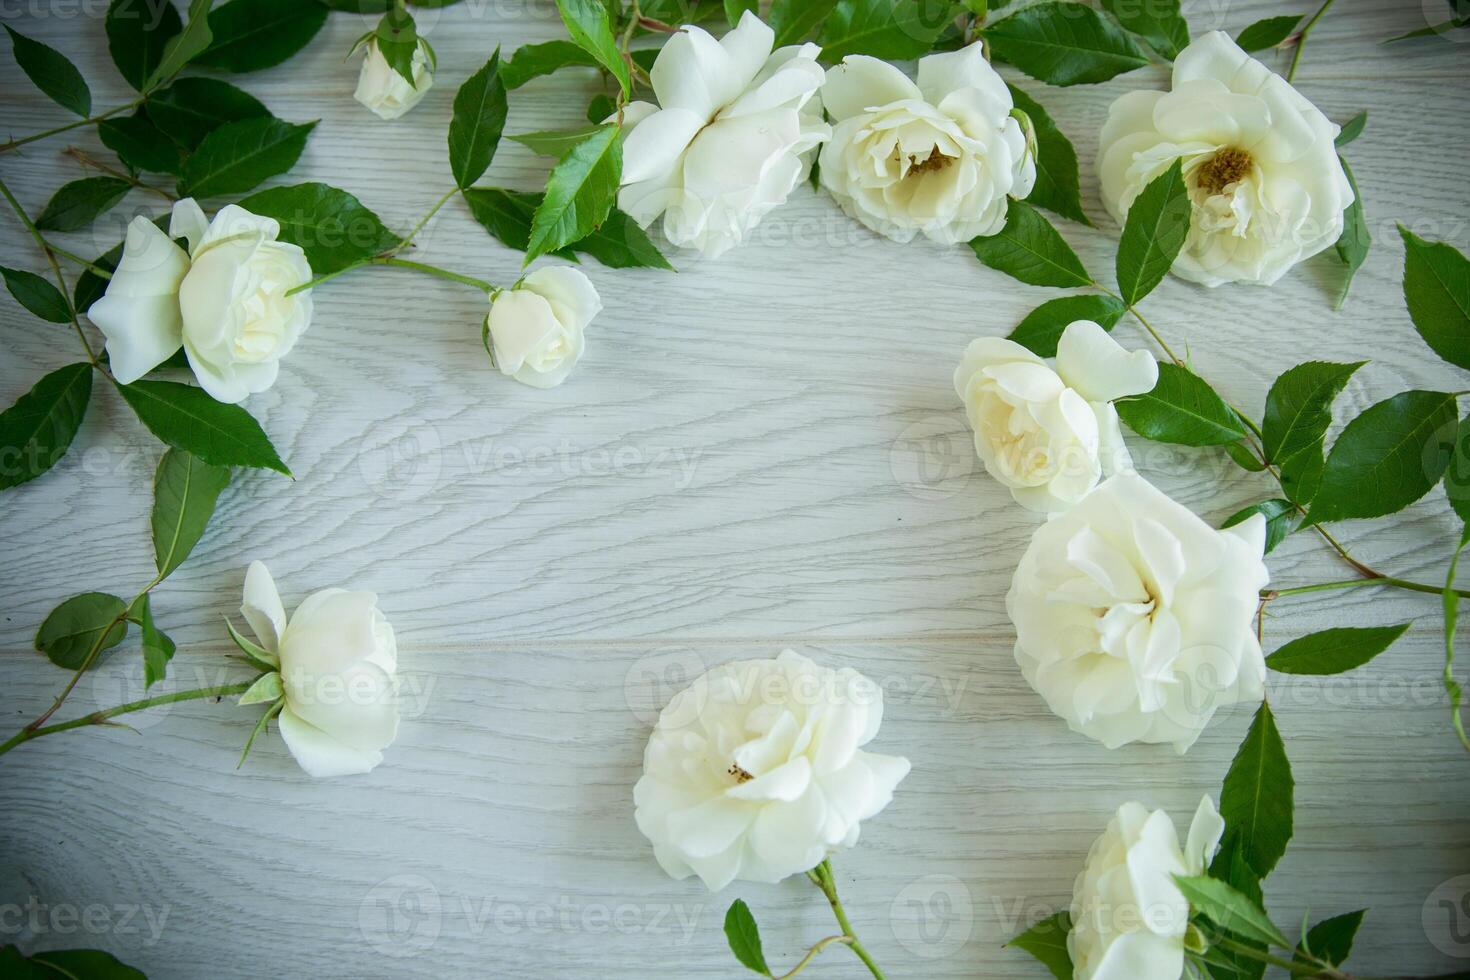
(534, 60)
(1457, 474)
(1063, 43)
(1330, 940)
(890, 29)
(253, 34)
(1450, 600)
(1157, 225)
(52, 73)
(1299, 407)
(796, 20)
(479, 118)
(192, 108)
(1057, 186)
(1256, 798)
(1182, 409)
(1388, 457)
(1028, 248)
(1278, 514)
(73, 628)
(140, 145)
(186, 418)
(620, 244)
(266, 689)
(1351, 129)
(1229, 909)
(331, 226)
(1158, 22)
(185, 490)
(1047, 942)
(1268, 33)
(82, 202)
(745, 938)
(37, 295)
(1334, 651)
(1437, 290)
(193, 40)
(397, 38)
(1353, 244)
(158, 647)
(1244, 457)
(601, 108)
(75, 964)
(587, 23)
(38, 429)
(137, 33)
(579, 193)
(555, 142)
(506, 215)
(1231, 867)
(1043, 326)
(735, 9)
(239, 155)
(256, 654)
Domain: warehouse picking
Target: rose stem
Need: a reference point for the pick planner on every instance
(102, 717)
(821, 876)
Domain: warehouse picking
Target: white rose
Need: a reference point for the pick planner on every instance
(1134, 618)
(940, 157)
(725, 144)
(1129, 919)
(1267, 187)
(755, 771)
(537, 328)
(338, 669)
(1049, 435)
(381, 88)
(224, 300)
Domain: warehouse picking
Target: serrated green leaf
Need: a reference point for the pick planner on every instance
(1047, 942)
(249, 35)
(51, 72)
(238, 156)
(795, 21)
(1334, 651)
(480, 109)
(1154, 232)
(38, 429)
(579, 193)
(1064, 43)
(1437, 291)
(1244, 457)
(185, 46)
(185, 490)
(1388, 457)
(745, 938)
(735, 9)
(75, 964)
(587, 23)
(1231, 867)
(1229, 909)
(889, 29)
(73, 628)
(1256, 798)
(192, 108)
(137, 33)
(1330, 941)
(1351, 129)
(77, 204)
(331, 226)
(1182, 409)
(37, 295)
(1450, 601)
(1028, 248)
(1279, 516)
(1457, 474)
(1057, 183)
(1353, 244)
(555, 142)
(1158, 22)
(1043, 326)
(140, 145)
(1298, 414)
(158, 647)
(186, 418)
(534, 60)
(1268, 32)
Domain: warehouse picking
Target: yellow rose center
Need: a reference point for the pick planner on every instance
(933, 163)
(1226, 167)
(741, 776)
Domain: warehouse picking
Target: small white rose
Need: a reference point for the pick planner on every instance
(1263, 174)
(384, 90)
(1129, 919)
(941, 156)
(755, 771)
(1134, 618)
(339, 664)
(729, 139)
(224, 300)
(538, 328)
(1050, 435)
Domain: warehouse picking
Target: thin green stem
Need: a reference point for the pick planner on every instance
(1301, 40)
(821, 876)
(89, 121)
(1356, 583)
(1324, 970)
(434, 270)
(77, 259)
(103, 717)
(813, 953)
(413, 232)
(30, 226)
(133, 179)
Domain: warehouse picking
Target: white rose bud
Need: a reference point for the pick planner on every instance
(1050, 435)
(225, 300)
(1263, 174)
(384, 90)
(537, 329)
(729, 139)
(338, 671)
(941, 157)
(756, 771)
(1134, 618)
(1129, 919)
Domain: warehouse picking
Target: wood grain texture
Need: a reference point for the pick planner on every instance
(761, 453)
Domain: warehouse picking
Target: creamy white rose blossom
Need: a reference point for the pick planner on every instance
(1129, 919)
(1267, 187)
(756, 771)
(941, 156)
(729, 138)
(225, 300)
(1134, 617)
(338, 669)
(537, 328)
(1049, 435)
(384, 90)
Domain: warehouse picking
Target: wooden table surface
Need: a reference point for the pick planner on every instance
(756, 453)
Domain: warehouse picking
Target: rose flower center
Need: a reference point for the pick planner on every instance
(1224, 168)
(933, 163)
(741, 776)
